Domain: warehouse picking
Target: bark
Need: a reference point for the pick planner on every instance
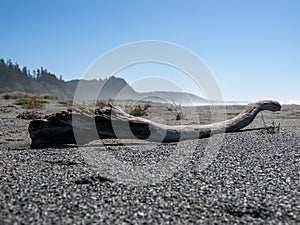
(61, 128)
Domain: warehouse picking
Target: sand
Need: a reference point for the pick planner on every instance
(249, 177)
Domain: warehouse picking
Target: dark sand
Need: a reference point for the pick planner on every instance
(253, 178)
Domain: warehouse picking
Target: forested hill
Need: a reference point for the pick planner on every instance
(40, 81)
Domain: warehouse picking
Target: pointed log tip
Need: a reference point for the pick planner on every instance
(271, 105)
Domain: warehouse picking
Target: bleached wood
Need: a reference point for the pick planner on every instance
(58, 129)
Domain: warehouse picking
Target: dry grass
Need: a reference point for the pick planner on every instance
(139, 110)
(30, 103)
(177, 110)
(47, 96)
(20, 95)
(29, 115)
(273, 129)
(101, 104)
(15, 95)
(65, 103)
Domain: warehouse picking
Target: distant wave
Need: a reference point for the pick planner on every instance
(240, 103)
(218, 103)
(246, 102)
(290, 102)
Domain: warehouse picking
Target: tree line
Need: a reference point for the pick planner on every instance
(38, 81)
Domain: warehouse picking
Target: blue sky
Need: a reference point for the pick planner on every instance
(252, 47)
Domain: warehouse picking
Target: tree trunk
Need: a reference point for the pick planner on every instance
(83, 126)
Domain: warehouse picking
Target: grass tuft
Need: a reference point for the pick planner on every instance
(65, 103)
(47, 96)
(140, 110)
(177, 110)
(273, 129)
(15, 95)
(29, 115)
(20, 94)
(30, 103)
(101, 104)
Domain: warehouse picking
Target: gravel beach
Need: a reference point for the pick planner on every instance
(254, 178)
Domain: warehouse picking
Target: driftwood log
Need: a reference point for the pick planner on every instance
(82, 126)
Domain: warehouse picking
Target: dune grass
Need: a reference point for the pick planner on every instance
(30, 103)
(29, 115)
(139, 110)
(26, 100)
(20, 94)
(65, 103)
(15, 95)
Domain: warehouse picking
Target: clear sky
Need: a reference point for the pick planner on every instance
(252, 47)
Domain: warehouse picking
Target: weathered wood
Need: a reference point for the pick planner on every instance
(61, 128)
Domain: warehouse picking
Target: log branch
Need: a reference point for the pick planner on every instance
(82, 126)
